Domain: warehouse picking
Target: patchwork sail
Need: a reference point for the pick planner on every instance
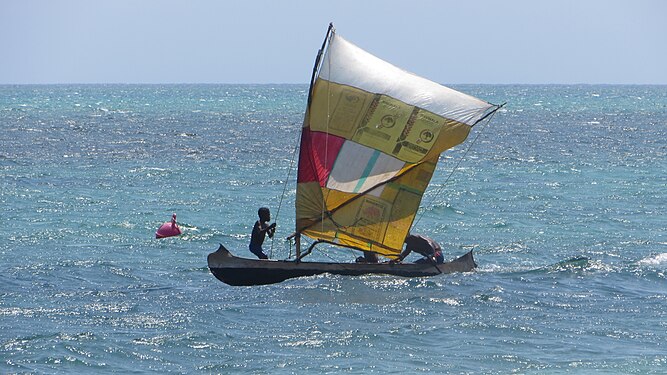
(370, 142)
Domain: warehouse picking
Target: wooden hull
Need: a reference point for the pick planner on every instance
(237, 271)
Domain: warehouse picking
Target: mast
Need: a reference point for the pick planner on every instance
(330, 29)
(317, 65)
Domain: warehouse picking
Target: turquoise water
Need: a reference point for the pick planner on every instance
(562, 197)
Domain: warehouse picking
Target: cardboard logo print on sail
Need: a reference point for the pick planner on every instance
(417, 138)
(371, 219)
(377, 121)
(383, 124)
(348, 110)
(398, 129)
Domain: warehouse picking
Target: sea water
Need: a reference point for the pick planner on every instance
(562, 197)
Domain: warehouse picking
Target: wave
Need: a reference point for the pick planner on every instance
(648, 267)
(576, 263)
(654, 260)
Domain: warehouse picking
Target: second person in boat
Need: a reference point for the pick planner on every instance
(423, 245)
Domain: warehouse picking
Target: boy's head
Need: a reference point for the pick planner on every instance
(264, 214)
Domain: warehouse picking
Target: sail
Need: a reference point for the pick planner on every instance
(371, 138)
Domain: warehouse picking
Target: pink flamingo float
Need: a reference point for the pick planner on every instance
(168, 229)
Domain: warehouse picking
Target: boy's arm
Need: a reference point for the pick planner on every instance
(267, 228)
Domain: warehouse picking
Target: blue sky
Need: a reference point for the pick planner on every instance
(257, 41)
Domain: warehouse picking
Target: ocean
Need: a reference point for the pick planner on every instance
(561, 196)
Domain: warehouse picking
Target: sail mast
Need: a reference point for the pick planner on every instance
(318, 59)
(317, 66)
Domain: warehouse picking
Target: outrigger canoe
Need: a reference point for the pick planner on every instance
(370, 141)
(238, 271)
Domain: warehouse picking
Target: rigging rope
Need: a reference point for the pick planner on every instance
(349, 250)
(330, 30)
(280, 203)
(442, 187)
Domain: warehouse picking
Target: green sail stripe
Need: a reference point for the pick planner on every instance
(367, 171)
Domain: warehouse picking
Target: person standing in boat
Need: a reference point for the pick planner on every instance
(259, 232)
(423, 245)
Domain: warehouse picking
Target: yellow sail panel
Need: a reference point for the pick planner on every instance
(309, 205)
(337, 109)
(382, 123)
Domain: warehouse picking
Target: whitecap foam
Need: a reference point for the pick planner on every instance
(655, 260)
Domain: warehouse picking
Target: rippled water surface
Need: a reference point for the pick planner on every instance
(562, 197)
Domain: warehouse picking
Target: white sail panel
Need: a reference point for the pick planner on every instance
(347, 64)
(358, 168)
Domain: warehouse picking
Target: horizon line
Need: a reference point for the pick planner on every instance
(306, 83)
